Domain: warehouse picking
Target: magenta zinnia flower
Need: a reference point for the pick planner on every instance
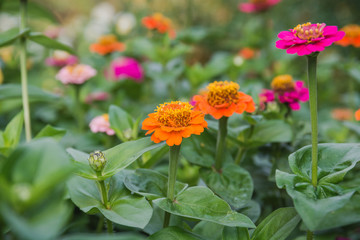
(60, 59)
(307, 38)
(300, 93)
(257, 5)
(125, 67)
(101, 124)
(75, 74)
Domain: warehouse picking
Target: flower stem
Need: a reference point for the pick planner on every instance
(78, 108)
(104, 197)
(174, 158)
(221, 141)
(313, 116)
(309, 235)
(243, 149)
(23, 71)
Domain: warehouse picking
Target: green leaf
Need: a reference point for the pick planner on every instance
(49, 42)
(150, 184)
(118, 158)
(231, 233)
(13, 91)
(13, 130)
(50, 131)
(201, 203)
(233, 184)
(208, 230)
(269, 131)
(120, 236)
(33, 177)
(174, 233)
(334, 161)
(278, 225)
(330, 205)
(121, 122)
(125, 208)
(10, 36)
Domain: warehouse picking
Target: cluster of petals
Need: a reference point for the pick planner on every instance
(101, 124)
(60, 59)
(96, 96)
(308, 38)
(287, 91)
(173, 121)
(357, 115)
(124, 68)
(160, 23)
(352, 36)
(222, 99)
(254, 6)
(75, 74)
(107, 44)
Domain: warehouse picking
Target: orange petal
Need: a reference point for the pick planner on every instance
(357, 115)
(175, 138)
(155, 139)
(162, 135)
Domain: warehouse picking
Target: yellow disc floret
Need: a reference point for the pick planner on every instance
(309, 31)
(221, 93)
(174, 114)
(107, 39)
(283, 83)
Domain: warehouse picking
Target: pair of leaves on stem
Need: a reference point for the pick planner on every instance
(330, 205)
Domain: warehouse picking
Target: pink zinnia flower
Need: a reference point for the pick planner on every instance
(300, 93)
(308, 38)
(60, 59)
(75, 74)
(257, 5)
(125, 67)
(101, 124)
(96, 96)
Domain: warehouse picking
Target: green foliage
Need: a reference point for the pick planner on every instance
(118, 158)
(32, 185)
(11, 135)
(174, 233)
(47, 42)
(125, 127)
(233, 184)
(201, 203)
(329, 205)
(10, 36)
(125, 208)
(278, 225)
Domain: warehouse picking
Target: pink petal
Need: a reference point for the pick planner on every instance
(329, 30)
(247, 7)
(294, 106)
(283, 44)
(285, 35)
(294, 49)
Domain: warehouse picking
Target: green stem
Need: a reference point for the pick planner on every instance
(309, 235)
(100, 224)
(104, 197)
(23, 71)
(174, 158)
(313, 116)
(78, 108)
(242, 150)
(221, 141)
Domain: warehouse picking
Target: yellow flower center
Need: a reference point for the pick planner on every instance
(222, 93)
(174, 114)
(351, 30)
(107, 39)
(75, 69)
(309, 31)
(106, 117)
(283, 83)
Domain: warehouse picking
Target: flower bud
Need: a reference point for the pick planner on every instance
(97, 160)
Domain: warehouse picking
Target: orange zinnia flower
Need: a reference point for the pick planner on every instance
(247, 53)
(173, 121)
(342, 114)
(160, 23)
(357, 115)
(223, 99)
(107, 44)
(352, 36)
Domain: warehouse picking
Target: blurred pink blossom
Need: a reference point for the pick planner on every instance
(60, 59)
(300, 93)
(266, 96)
(75, 74)
(254, 6)
(96, 96)
(52, 32)
(101, 124)
(125, 67)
